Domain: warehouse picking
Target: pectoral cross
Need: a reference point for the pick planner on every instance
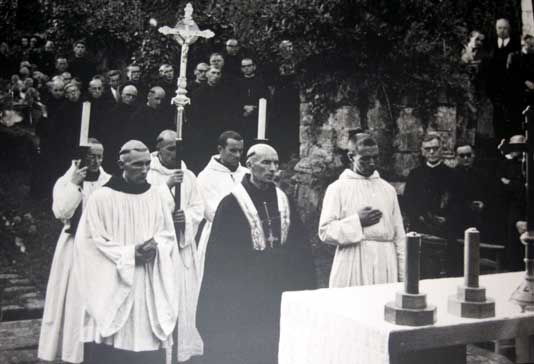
(271, 238)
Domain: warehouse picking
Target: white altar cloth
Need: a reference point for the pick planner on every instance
(346, 325)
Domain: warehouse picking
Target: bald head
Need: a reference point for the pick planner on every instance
(56, 88)
(129, 94)
(166, 137)
(134, 162)
(96, 88)
(502, 27)
(259, 151)
(166, 145)
(262, 160)
(132, 148)
(155, 96)
(232, 46)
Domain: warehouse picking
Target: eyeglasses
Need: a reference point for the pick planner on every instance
(431, 149)
(465, 155)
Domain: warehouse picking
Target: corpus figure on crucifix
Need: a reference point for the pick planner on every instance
(185, 33)
(256, 251)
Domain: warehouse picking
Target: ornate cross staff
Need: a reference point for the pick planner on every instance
(186, 32)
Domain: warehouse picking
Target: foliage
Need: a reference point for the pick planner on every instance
(382, 47)
(111, 26)
(19, 18)
(345, 48)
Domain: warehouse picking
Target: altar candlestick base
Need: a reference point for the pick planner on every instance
(410, 310)
(470, 300)
(524, 293)
(410, 307)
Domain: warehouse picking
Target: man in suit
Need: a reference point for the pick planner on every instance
(499, 87)
(112, 89)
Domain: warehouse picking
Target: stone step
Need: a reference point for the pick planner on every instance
(22, 312)
(15, 291)
(19, 356)
(20, 282)
(18, 335)
(4, 277)
(29, 295)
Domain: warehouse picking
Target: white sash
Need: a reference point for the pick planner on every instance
(253, 218)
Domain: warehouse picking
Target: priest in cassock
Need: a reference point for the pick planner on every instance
(164, 172)
(223, 172)
(361, 216)
(127, 255)
(256, 251)
(66, 128)
(61, 324)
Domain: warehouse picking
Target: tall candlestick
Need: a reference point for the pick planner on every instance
(530, 171)
(411, 266)
(84, 129)
(470, 299)
(471, 257)
(410, 307)
(262, 117)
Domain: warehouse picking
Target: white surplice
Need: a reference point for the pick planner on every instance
(128, 306)
(61, 324)
(368, 255)
(215, 181)
(189, 340)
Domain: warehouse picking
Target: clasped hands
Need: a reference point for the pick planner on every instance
(146, 252)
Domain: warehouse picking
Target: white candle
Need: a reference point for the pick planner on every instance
(84, 130)
(262, 116)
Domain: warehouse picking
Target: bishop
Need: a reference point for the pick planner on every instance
(239, 305)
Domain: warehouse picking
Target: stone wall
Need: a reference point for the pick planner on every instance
(323, 146)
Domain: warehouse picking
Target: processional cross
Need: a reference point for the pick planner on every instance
(186, 32)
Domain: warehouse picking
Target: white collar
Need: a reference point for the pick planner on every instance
(433, 165)
(503, 42)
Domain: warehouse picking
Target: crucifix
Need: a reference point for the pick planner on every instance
(186, 32)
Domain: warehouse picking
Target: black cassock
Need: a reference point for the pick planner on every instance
(239, 305)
